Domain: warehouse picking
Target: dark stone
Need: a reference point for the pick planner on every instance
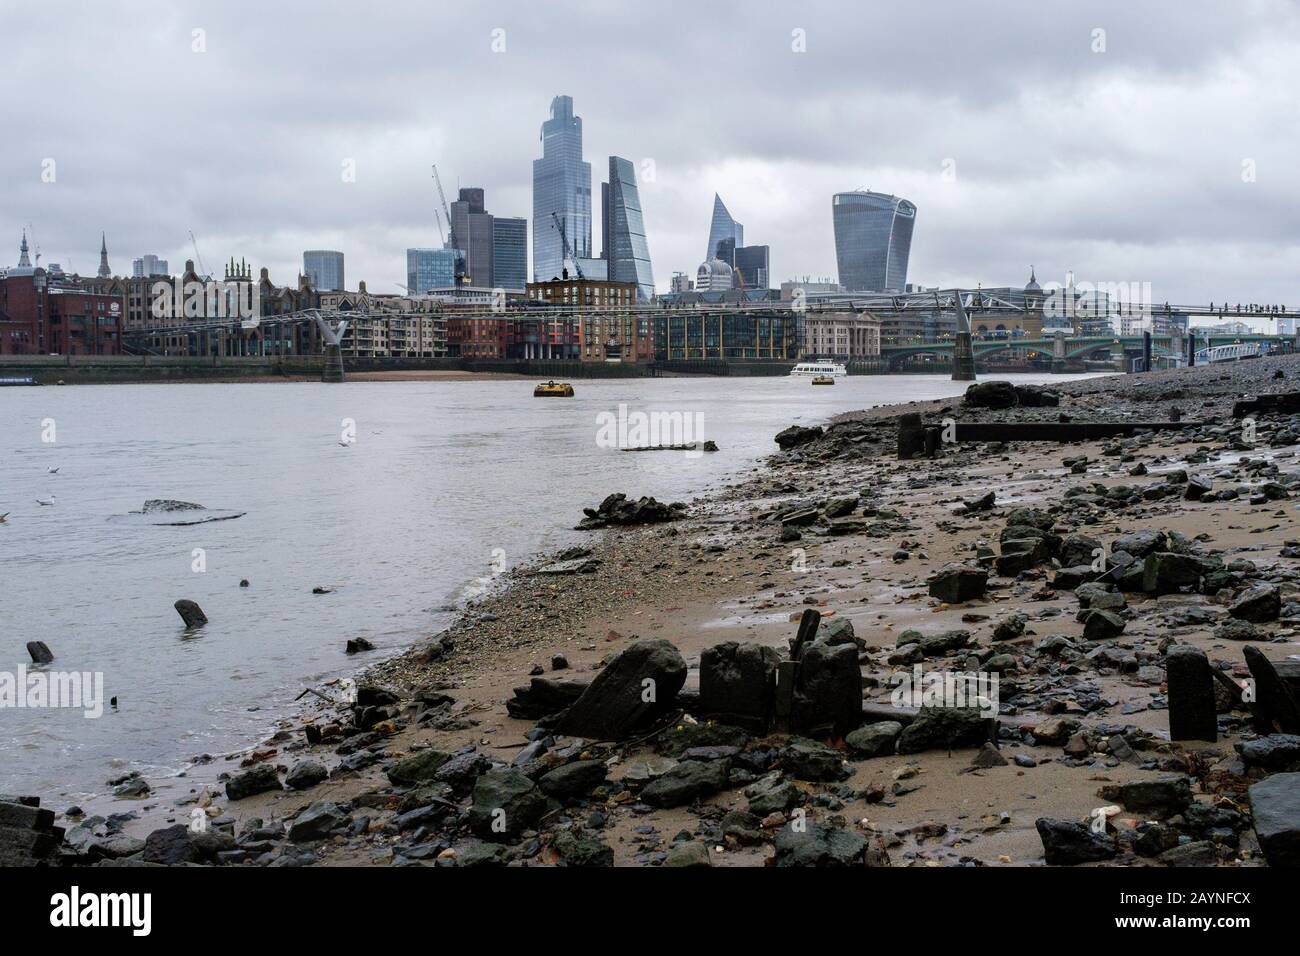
(417, 768)
(737, 684)
(797, 435)
(810, 844)
(620, 700)
(1192, 708)
(944, 727)
(1271, 752)
(576, 779)
(358, 645)
(544, 697)
(1198, 486)
(257, 779)
(1274, 706)
(874, 740)
(991, 395)
(305, 774)
(1101, 625)
(582, 849)
(772, 794)
(1258, 604)
(618, 509)
(191, 613)
(1162, 797)
(808, 760)
(827, 690)
(688, 781)
(40, 654)
(317, 822)
(1066, 843)
(1141, 543)
(1275, 806)
(1166, 572)
(505, 803)
(956, 584)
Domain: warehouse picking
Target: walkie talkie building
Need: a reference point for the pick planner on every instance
(873, 236)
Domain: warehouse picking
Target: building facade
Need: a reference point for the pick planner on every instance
(148, 265)
(430, 269)
(842, 336)
(324, 267)
(873, 239)
(509, 253)
(561, 189)
(472, 232)
(626, 249)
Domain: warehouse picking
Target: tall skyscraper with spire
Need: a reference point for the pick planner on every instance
(721, 228)
(104, 270)
(561, 186)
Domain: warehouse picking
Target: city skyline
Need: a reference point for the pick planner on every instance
(1114, 174)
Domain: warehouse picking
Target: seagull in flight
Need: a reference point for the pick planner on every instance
(54, 471)
(42, 501)
(3, 517)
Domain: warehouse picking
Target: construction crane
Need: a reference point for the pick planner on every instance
(203, 270)
(568, 251)
(451, 228)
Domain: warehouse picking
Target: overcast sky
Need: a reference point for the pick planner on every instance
(1161, 150)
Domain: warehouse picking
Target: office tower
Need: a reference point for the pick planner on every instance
(430, 269)
(324, 268)
(509, 253)
(722, 227)
(623, 230)
(472, 226)
(873, 236)
(148, 265)
(751, 267)
(561, 189)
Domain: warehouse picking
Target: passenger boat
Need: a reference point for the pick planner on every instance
(833, 369)
(823, 380)
(553, 390)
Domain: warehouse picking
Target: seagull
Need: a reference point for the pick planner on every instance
(42, 501)
(345, 444)
(3, 517)
(54, 471)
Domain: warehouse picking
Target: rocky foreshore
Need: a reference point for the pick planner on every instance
(774, 675)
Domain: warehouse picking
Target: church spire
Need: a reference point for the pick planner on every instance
(104, 270)
(23, 261)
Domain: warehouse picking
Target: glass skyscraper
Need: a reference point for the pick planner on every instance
(723, 227)
(561, 185)
(509, 253)
(873, 237)
(325, 269)
(624, 230)
(430, 269)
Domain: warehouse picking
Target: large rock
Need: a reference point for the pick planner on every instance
(1167, 572)
(1066, 843)
(178, 844)
(944, 727)
(688, 781)
(1077, 549)
(618, 509)
(772, 794)
(1162, 797)
(958, 583)
(505, 803)
(417, 768)
(810, 844)
(258, 779)
(1141, 543)
(1258, 604)
(579, 848)
(317, 822)
(827, 690)
(874, 740)
(797, 435)
(1101, 625)
(809, 760)
(305, 774)
(637, 686)
(738, 684)
(991, 395)
(576, 779)
(1192, 708)
(1275, 806)
(1271, 752)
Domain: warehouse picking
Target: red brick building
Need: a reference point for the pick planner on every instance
(43, 313)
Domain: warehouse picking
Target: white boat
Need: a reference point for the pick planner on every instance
(819, 368)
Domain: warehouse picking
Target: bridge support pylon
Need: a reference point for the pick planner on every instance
(963, 358)
(333, 370)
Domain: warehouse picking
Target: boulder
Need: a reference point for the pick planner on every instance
(317, 822)
(991, 395)
(576, 779)
(1275, 807)
(1067, 843)
(811, 844)
(1099, 625)
(305, 774)
(637, 686)
(958, 583)
(806, 759)
(944, 727)
(874, 740)
(1167, 572)
(772, 794)
(258, 779)
(797, 435)
(1258, 604)
(417, 768)
(579, 848)
(688, 781)
(504, 804)
(191, 613)
(1163, 797)
(738, 684)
